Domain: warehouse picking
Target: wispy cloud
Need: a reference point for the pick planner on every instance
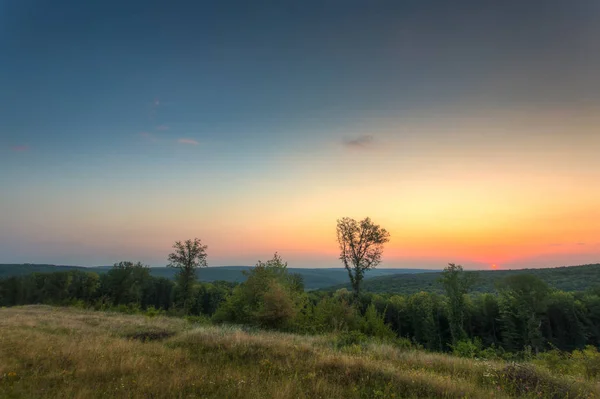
(147, 136)
(20, 148)
(363, 141)
(555, 245)
(162, 127)
(580, 243)
(188, 141)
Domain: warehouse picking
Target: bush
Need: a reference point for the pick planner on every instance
(277, 308)
(589, 358)
(555, 360)
(372, 324)
(405, 343)
(349, 338)
(333, 314)
(467, 348)
(152, 312)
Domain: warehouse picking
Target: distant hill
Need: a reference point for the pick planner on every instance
(313, 278)
(566, 278)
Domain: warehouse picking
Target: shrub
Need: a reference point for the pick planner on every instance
(333, 314)
(589, 358)
(467, 348)
(372, 324)
(152, 312)
(349, 338)
(277, 308)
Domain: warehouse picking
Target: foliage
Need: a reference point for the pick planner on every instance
(313, 278)
(270, 297)
(523, 301)
(565, 278)
(525, 319)
(187, 257)
(457, 284)
(361, 247)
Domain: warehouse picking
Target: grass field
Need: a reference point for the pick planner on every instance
(71, 353)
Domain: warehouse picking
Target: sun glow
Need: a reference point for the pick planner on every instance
(494, 267)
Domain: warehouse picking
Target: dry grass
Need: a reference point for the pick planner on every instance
(70, 353)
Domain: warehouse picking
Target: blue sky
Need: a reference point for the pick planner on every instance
(117, 118)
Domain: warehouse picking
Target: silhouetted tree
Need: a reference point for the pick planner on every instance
(361, 247)
(188, 256)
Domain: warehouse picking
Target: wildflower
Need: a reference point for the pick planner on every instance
(12, 374)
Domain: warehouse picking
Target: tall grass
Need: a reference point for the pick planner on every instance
(72, 353)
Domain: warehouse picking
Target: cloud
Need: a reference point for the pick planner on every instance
(580, 243)
(147, 136)
(363, 141)
(188, 141)
(162, 127)
(20, 148)
(555, 245)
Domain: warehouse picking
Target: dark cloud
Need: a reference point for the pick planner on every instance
(363, 141)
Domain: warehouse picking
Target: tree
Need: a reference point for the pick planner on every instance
(457, 284)
(361, 247)
(523, 302)
(124, 284)
(188, 256)
(270, 297)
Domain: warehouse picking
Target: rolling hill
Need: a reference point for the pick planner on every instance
(313, 278)
(73, 353)
(566, 278)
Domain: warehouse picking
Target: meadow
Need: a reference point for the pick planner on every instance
(65, 352)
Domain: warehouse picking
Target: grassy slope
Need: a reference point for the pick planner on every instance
(567, 278)
(70, 353)
(313, 278)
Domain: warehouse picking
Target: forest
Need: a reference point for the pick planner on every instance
(525, 315)
(565, 278)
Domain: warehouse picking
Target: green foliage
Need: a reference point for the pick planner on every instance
(521, 322)
(566, 278)
(350, 338)
(187, 257)
(313, 278)
(270, 297)
(523, 301)
(457, 284)
(152, 312)
(333, 314)
(467, 348)
(361, 246)
(373, 324)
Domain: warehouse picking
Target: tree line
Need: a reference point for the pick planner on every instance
(524, 315)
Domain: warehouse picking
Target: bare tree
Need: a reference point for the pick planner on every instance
(361, 247)
(187, 257)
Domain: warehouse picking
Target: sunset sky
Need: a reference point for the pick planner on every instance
(470, 132)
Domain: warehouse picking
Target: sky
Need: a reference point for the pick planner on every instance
(470, 130)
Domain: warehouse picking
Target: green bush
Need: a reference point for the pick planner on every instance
(152, 312)
(589, 358)
(467, 348)
(372, 324)
(349, 338)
